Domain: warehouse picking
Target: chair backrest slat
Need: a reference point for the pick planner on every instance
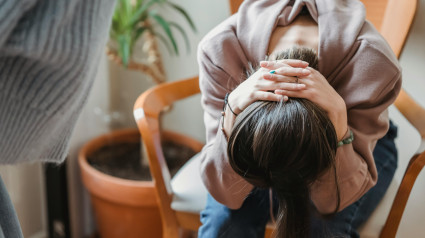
(397, 22)
(234, 5)
(375, 11)
(164, 95)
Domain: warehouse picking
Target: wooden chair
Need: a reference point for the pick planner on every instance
(392, 17)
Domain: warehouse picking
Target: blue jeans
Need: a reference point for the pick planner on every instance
(251, 219)
(9, 223)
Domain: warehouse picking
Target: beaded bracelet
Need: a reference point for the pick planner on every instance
(226, 103)
(347, 140)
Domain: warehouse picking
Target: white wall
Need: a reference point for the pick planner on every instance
(25, 183)
(186, 116)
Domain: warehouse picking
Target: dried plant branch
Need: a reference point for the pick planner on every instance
(154, 68)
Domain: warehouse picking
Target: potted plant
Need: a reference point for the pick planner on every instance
(136, 18)
(112, 166)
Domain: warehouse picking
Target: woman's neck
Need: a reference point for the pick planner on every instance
(303, 31)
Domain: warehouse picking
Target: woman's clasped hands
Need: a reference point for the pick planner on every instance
(262, 84)
(279, 80)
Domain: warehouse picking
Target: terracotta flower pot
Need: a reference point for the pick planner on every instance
(123, 208)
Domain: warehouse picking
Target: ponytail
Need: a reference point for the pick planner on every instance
(286, 147)
(293, 218)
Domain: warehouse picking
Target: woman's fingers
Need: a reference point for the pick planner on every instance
(290, 71)
(282, 63)
(269, 96)
(281, 74)
(272, 85)
(290, 86)
(279, 78)
(291, 93)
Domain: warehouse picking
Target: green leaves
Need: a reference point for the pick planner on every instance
(184, 13)
(140, 12)
(183, 33)
(124, 43)
(166, 27)
(133, 17)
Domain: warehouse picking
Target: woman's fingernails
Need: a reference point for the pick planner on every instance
(272, 72)
(264, 63)
(301, 86)
(306, 71)
(285, 98)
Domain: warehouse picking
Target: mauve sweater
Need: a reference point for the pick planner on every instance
(354, 58)
(49, 52)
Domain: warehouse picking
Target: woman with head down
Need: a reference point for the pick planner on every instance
(303, 137)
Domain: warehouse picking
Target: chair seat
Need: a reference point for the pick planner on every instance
(190, 195)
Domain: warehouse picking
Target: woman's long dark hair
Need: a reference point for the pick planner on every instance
(285, 146)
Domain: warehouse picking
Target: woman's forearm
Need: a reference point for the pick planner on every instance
(338, 116)
(229, 120)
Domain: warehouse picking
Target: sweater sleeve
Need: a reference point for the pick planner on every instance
(222, 182)
(368, 95)
(11, 12)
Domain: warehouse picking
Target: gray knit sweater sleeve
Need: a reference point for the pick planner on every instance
(10, 13)
(49, 51)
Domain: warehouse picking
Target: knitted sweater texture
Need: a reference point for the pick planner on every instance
(49, 50)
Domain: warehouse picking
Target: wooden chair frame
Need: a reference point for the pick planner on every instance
(150, 104)
(147, 112)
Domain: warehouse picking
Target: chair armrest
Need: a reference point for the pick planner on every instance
(412, 111)
(415, 114)
(415, 166)
(147, 110)
(153, 101)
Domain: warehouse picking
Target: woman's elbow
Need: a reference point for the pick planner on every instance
(330, 201)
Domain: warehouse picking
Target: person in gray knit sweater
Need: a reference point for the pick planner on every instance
(49, 50)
